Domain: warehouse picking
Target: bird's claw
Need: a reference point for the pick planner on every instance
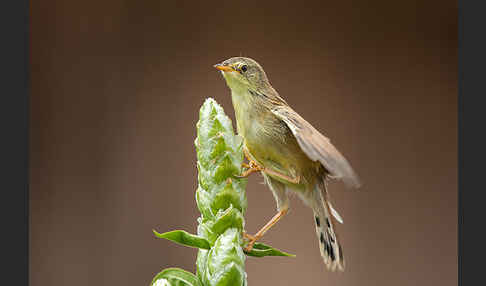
(251, 241)
(251, 168)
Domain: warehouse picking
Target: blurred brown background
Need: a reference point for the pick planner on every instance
(116, 88)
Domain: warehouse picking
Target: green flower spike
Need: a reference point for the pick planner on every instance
(221, 199)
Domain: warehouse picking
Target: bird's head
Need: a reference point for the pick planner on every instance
(243, 73)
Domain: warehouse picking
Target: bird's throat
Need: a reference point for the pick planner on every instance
(244, 111)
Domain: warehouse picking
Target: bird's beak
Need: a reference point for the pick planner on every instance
(224, 68)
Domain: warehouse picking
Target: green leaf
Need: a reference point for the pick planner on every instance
(175, 277)
(261, 250)
(184, 238)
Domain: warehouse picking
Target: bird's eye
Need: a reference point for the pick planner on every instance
(244, 68)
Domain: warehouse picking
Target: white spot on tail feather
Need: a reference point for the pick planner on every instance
(335, 214)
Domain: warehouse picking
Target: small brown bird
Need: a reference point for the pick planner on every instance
(290, 153)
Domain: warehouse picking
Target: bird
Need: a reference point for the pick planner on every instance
(289, 152)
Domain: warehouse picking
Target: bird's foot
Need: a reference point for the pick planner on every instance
(251, 168)
(251, 241)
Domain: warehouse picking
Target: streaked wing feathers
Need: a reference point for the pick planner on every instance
(317, 146)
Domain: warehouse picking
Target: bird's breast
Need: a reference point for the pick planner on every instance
(267, 138)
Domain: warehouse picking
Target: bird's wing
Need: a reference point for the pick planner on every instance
(317, 146)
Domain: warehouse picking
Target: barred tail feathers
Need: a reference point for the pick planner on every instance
(330, 248)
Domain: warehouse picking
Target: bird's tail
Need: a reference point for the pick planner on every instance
(331, 250)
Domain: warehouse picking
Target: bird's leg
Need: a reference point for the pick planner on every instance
(295, 180)
(248, 236)
(253, 238)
